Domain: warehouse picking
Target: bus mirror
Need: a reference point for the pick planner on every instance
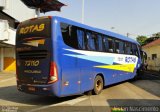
(145, 55)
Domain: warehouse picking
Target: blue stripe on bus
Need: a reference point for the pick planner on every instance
(99, 59)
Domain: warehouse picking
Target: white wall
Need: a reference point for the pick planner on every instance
(153, 64)
(11, 35)
(20, 12)
(17, 10)
(7, 33)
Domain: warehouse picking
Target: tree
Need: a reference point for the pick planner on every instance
(152, 38)
(156, 35)
(141, 39)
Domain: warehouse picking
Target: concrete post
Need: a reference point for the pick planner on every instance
(1, 59)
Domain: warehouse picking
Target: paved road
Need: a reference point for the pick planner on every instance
(142, 92)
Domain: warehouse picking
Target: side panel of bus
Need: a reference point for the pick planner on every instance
(68, 72)
(78, 68)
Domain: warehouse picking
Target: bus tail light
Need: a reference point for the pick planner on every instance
(53, 76)
(50, 17)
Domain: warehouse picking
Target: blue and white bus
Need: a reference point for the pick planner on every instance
(59, 57)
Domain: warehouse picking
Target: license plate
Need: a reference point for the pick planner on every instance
(31, 88)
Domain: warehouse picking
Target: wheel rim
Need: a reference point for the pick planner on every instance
(99, 85)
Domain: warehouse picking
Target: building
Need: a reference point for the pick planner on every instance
(153, 54)
(11, 13)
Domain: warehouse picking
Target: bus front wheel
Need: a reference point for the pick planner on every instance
(98, 85)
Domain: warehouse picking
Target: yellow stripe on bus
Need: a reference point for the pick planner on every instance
(124, 67)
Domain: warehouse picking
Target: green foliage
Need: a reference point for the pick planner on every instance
(152, 38)
(141, 39)
(156, 35)
(144, 40)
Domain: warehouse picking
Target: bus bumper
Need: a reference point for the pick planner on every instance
(45, 90)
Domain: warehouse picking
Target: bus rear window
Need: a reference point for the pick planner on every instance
(34, 28)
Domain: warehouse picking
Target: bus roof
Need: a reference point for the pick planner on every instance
(109, 33)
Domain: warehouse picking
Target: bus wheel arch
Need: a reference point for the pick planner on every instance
(98, 84)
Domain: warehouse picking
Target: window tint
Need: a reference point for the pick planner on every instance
(122, 47)
(69, 35)
(105, 44)
(95, 38)
(135, 50)
(81, 39)
(91, 45)
(119, 46)
(128, 48)
(100, 46)
(111, 45)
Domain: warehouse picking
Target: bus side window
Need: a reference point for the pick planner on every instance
(111, 45)
(65, 32)
(80, 36)
(117, 46)
(128, 48)
(95, 39)
(100, 46)
(121, 47)
(91, 42)
(69, 35)
(105, 44)
(73, 39)
(135, 50)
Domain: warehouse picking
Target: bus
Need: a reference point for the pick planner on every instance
(59, 57)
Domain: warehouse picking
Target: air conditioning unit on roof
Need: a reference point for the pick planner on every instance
(2, 3)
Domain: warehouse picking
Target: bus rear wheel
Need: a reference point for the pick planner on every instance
(98, 85)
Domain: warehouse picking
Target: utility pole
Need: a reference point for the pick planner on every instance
(128, 34)
(112, 28)
(38, 12)
(82, 11)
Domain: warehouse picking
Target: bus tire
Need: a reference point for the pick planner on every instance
(137, 76)
(98, 85)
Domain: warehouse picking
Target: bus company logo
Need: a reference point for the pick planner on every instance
(130, 59)
(32, 28)
(35, 43)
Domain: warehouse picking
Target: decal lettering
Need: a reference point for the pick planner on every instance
(32, 63)
(32, 28)
(32, 71)
(130, 59)
(120, 59)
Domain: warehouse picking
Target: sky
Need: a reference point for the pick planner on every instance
(136, 17)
